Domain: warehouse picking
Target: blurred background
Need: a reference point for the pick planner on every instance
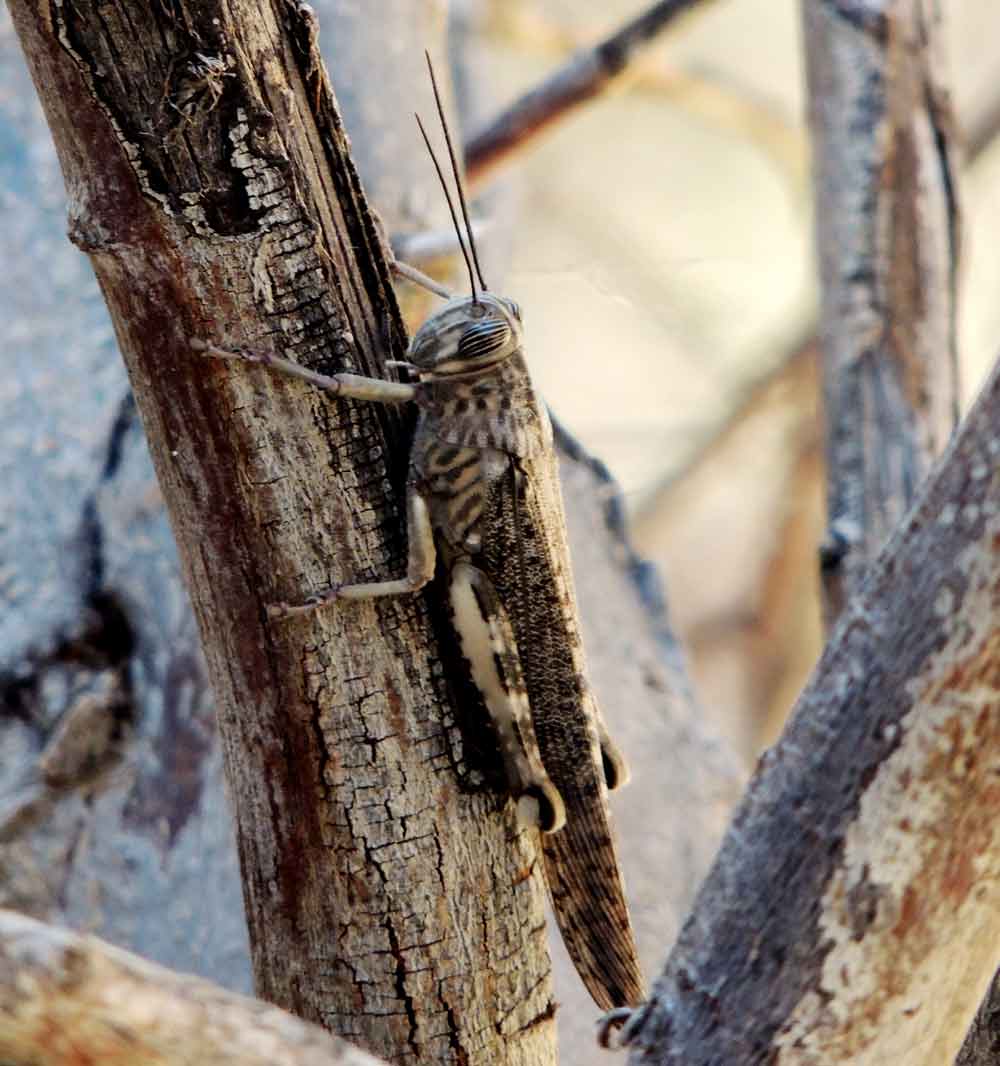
(664, 259)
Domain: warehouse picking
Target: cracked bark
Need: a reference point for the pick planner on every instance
(887, 225)
(848, 917)
(385, 885)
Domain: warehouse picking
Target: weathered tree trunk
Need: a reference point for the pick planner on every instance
(389, 895)
(93, 605)
(887, 231)
(848, 917)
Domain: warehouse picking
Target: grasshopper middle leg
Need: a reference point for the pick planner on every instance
(419, 567)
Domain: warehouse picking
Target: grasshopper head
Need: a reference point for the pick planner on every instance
(466, 335)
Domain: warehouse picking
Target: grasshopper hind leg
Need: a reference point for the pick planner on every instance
(541, 806)
(421, 555)
(489, 646)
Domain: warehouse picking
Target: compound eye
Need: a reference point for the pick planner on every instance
(514, 307)
(482, 338)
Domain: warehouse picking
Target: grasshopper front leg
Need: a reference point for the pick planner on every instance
(420, 536)
(349, 386)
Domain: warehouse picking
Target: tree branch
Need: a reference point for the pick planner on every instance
(211, 185)
(847, 917)
(67, 999)
(580, 79)
(887, 221)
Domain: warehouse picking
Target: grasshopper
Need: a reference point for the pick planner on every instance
(483, 496)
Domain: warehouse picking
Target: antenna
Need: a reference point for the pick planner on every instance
(451, 207)
(455, 171)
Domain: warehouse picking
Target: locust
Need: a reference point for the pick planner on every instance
(483, 498)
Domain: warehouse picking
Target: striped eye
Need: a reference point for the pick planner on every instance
(482, 338)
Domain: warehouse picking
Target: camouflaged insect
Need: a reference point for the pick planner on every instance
(483, 496)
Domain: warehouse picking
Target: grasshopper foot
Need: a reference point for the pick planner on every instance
(279, 611)
(215, 351)
(616, 771)
(610, 1022)
(625, 1021)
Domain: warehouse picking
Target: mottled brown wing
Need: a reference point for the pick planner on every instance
(526, 556)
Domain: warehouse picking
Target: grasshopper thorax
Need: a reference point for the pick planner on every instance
(466, 335)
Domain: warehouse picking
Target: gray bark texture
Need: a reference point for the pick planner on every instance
(887, 231)
(93, 605)
(68, 999)
(112, 812)
(850, 914)
(982, 1042)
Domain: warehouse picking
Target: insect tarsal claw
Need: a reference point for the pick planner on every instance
(610, 1028)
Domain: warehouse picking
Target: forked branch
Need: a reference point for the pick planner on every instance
(847, 917)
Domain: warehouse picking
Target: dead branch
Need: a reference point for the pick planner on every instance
(847, 917)
(733, 108)
(67, 999)
(887, 221)
(580, 79)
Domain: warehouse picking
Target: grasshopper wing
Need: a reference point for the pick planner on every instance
(526, 557)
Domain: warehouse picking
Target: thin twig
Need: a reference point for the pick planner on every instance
(707, 95)
(580, 79)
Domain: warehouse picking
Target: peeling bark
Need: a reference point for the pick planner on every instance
(388, 892)
(887, 223)
(67, 999)
(891, 403)
(849, 916)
